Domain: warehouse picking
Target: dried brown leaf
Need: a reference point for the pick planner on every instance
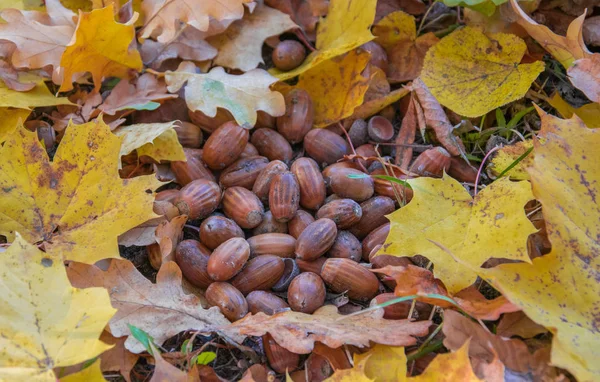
(118, 358)
(406, 136)
(518, 324)
(585, 76)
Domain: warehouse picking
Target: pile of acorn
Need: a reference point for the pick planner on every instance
(284, 217)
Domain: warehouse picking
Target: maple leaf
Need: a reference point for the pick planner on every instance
(101, 46)
(76, 204)
(472, 73)
(156, 140)
(298, 332)
(240, 46)
(91, 373)
(487, 7)
(442, 214)
(585, 76)
(38, 96)
(11, 118)
(507, 155)
(162, 309)
(163, 16)
(345, 28)
(46, 323)
(589, 114)
(241, 95)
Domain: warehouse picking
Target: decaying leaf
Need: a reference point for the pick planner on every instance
(518, 324)
(38, 96)
(585, 76)
(164, 371)
(507, 155)
(472, 73)
(117, 358)
(298, 332)
(241, 95)
(10, 120)
(76, 204)
(156, 140)
(442, 216)
(589, 114)
(168, 234)
(374, 106)
(46, 323)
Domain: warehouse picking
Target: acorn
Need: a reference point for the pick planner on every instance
(380, 129)
(260, 273)
(290, 270)
(243, 172)
(198, 199)
(314, 266)
(193, 168)
(288, 55)
(279, 244)
(230, 301)
(210, 124)
(367, 150)
(344, 212)
(379, 57)
(192, 258)
(373, 215)
(280, 359)
(462, 171)
(167, 196)
(432, 162)
(310, 182)
(358, 133)
(316, 239)
(249, 151)
(346, 246)
(154, 255)
(384, 260)
(265, 302)
(225, 145)
(215, 230)
(325, 147)
(188, 134)
(345, 275)
(284, 196)
(243, 207)
(350, 183)
(306, 293)
(270, 225)
(272, 145)
(397, 311)
(228, 259)
(373, 239)
(298, 118)
(299, 222)
(263, 181)
(391, 189)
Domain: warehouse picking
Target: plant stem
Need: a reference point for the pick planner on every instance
(435, 345)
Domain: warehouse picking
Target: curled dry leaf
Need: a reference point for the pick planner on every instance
(518, 324)
(406, 136)
(298, 332)
(304, 13)
(188, 45)
(164, 371)
(156, 140)
(585, 76)
(117, 358)
(168, 235)
(10, 77)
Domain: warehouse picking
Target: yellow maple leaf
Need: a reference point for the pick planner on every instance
(156, 140)
(560, 290)
(101, 46)
(442, 213)
(46, 323)
(472, 73)
(76, 204)
(449, 367)
(11, 118)
(345, 28)
(589, 114)
(507, 155)
(38, 96)
(241, 95)
(91, 373)
(336, 87)
(383, 363)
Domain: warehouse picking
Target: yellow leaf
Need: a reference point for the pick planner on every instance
(394, 28)
(165, 147)
(356, 374)
(336, 87)
(507, 155)
(383, 363)
(241, 95)
(156, 140)
(36, 97)
(442, 213)
(91, 373)
(45, 323)
(449, 367)
(240, 46)
(564, 49)
(100, 46)
(560, 290)
(373, 107)
(10, 119)
(472, 73)
(76, 204)
(589, 114)
(345, 28)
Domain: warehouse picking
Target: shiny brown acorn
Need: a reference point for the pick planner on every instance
(432, 162)
(391, 189)
(316, 239)
(192, 258)
(358, 133)
(310, 182)
(343, 275)
(265, 302)
(228, 259)
(243, 207)
(344, 212)
(350, 183)
(261, 273)
(280, 244)
(262, 185)
(462, 171)
(325, 147)
(243, 172)
(272, 145)
(284, 196)
(193, 168)
(210, 124)
(306, 293)
(188, 134)
(373, 239)
(215, 230)
(270, 225)
(314, 266)
(346, 246)
(225, 145)
(374, 211)
(198, 199)
(299, 222)
(167, 195)
(230, 301)
(249, 151)
(280, 359)
(288, 55)
(298, 118)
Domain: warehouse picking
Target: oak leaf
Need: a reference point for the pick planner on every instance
(45, 323)
(442, 216)
(76, 204)
(240, 46)
(101, 46)
(518, 324)
(162, 309)
(117, 358)
(164, 371)
(585, 76)
(241, 95)
(298, 332)
(156, 140)
(189, 45)
(346, 27)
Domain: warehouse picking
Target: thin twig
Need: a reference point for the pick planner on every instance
(481, 167)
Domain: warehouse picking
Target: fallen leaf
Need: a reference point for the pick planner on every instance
(413, 7)
(38, 96)
(298, 332)
(487, 7)
(240, 46)
(11, 119)
(367, 109)
(449, 367)
(164, 371)
(585, 76)
(383, 363)
(336, 87)
(76, 204)
(518, 324)
(156, 140)
(443, 213)
(92, 373)
(346, 27)
(507, 155)
(356, 374)
(472, 74)
(304, 13)
(46, 323)
(118, 358)
(10, 77)
(406, 136)
(241, 95)
(589, 114)
(168, 235)
(162, 309)
(100, 46)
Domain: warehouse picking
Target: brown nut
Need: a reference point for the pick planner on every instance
(344, 275)
(350, 183)
(249, 151)
(325, 147)
(284, 196)
(188, 134)
(299, 222)
(298, 118)
(215, 230)
(380, 129)
(230, 301)
(272, 145)
(265, 302)
(344, 212)
(432, 162)
(316, 239)
(280, 359)
(397, 311)
(288, 55)
(314, 266)
(192, 258)
(167, 196)
(243, 172)
(290, 270)
(346, 246)
(375, 238)
(379, 57)
(373, 215)
(384, 260)
(198, 199)
(306, 293)
(228, 259)
(270, 225)
(192, 169)
(390, 189)
(263, 181)
(358, 133)
(311, 183)
(261, 273)
(154, 255)
(243, 207)
(462, 171)
(210, 124)
(279, 244)
(225, 145)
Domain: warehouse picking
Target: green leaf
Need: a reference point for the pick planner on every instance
(141, 336)
(204, 358)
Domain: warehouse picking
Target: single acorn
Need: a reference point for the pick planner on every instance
(198, 199)
(288, 55)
